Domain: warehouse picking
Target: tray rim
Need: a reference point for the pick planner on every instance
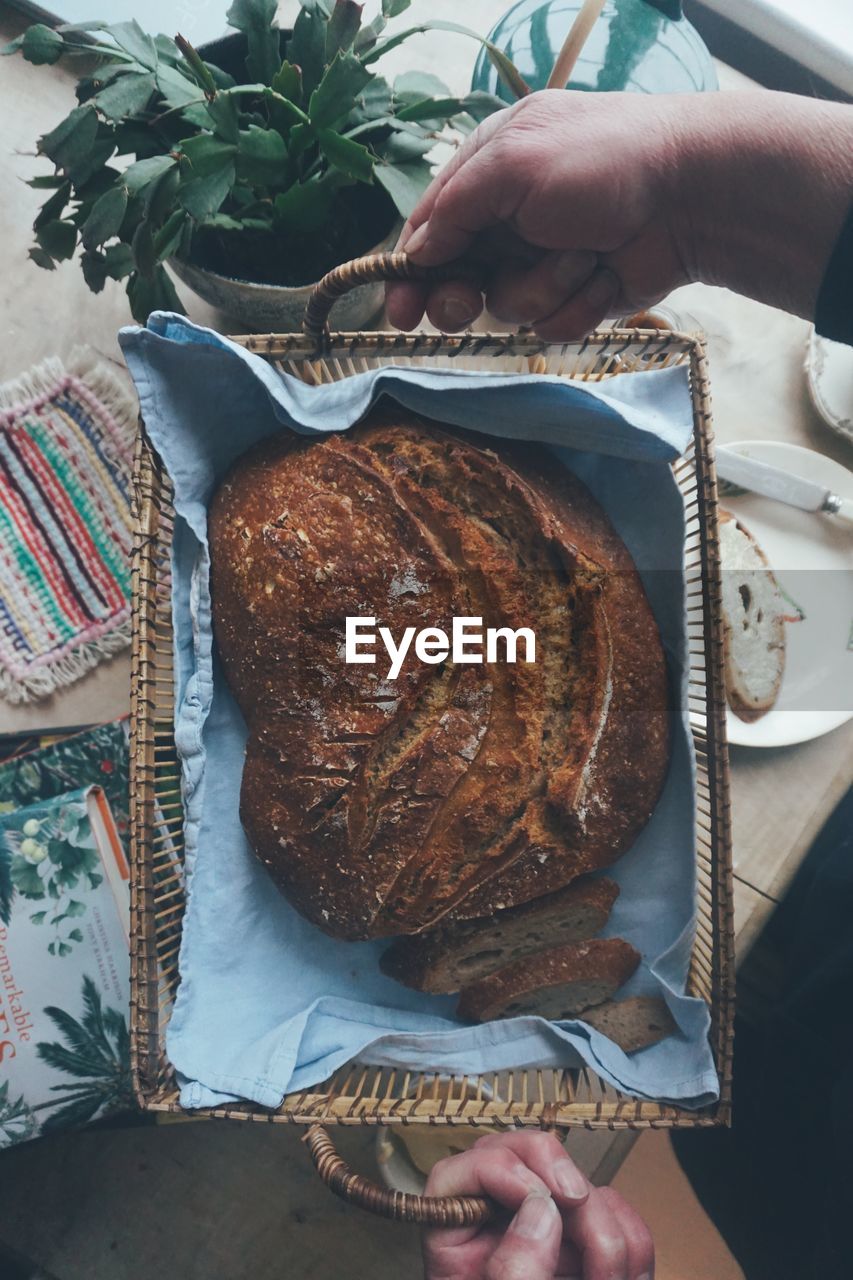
(341, 1101)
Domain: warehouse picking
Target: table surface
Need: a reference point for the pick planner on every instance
(780, 797)
(101, 1196)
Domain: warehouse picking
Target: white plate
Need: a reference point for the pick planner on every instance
(812, 558)
(829, 371)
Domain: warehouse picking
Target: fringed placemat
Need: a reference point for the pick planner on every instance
(66, 436)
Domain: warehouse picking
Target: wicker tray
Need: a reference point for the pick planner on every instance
(374, 1095)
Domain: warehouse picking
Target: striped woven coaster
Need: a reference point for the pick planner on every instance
(66, 436)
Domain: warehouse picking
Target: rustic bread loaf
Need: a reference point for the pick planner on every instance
(633, 1024)
(753, 620)
(380, 806)
(458, 952)
(561, 983)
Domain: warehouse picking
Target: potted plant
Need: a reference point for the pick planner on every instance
(252, 171)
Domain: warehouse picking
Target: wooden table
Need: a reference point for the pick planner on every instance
(214, 1173)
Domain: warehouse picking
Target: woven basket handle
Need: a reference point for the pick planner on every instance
(428, 1211)
(376, 266)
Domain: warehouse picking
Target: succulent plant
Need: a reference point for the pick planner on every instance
(217, 165)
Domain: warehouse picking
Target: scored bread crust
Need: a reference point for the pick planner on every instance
(580, 976)
(381, 806)
(458, 952)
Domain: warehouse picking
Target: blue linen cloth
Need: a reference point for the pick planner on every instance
(267, 1003)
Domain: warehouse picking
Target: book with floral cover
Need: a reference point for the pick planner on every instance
(97, 756)
(64, 969)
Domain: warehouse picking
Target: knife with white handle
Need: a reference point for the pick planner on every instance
(773, 482)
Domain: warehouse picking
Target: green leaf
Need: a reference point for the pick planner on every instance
(58, 239)
(255, 19)
(479, 104)
(404, 147)
(119, 262)
(300, 138)
(64, 949)
(168, 238)
(414, 86)
(144, 253)
(130, 37)
(167, 50)
(42, 259)
(369, 34)
(75, 935)
(138, 175)
(262, 156)
(225, 115)
(54, 206)
(74, 1114)
(72, 140)
(305, 206)
(203, 196)
(391, 8)
(199, 69)
(433, 110)
(349, 157)
(94, 268)
(307, 47)
(75, 908)
(46, 181)
(105, 219)
(224, 222)
(176, 89)
(288, 82)
(99, 182)
(375, 100)
(207, 155)
(152, 293)
(39, 44)
(506, 68)
(342, 27)
(126, 95)
(405, 183)
(161, 196)
(38, 917)
(335, 96)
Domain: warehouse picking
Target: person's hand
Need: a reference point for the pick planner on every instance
(557, 1226)
(580, 206)
(565, 201)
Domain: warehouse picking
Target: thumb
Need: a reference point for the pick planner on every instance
(531, 1246)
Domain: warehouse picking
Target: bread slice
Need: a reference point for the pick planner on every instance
(555, 984)
(633, 1024)
(460, 952)
(753, 617)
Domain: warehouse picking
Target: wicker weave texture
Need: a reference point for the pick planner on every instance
(373, 1095)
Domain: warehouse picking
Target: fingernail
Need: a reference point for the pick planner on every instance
(570, 1180)
(602, 289)
(417, 239)
(535, 1217)
(454, 313)
(572, 268)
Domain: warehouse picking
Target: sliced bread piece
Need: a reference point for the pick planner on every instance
(554, 984)
(460, 952)
(753, 616)
(633, 1024)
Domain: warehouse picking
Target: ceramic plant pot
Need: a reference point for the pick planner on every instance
(274, 308)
